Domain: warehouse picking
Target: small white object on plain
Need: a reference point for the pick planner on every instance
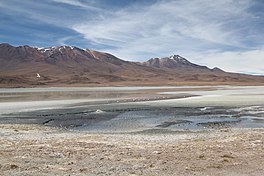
(38, 76)
(99, 111)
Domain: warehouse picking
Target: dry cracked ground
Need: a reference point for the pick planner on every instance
(38, 150)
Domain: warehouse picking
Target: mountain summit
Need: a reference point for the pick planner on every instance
(67, 65)
(172, 62)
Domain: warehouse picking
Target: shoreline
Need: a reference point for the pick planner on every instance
(128, 84)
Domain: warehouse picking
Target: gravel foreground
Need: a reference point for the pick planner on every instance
(39, 150)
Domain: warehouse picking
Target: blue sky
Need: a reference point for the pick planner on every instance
(227, 33)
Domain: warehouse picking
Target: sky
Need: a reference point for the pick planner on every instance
(228, 34)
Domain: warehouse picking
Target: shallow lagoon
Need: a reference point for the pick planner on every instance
(135, 109)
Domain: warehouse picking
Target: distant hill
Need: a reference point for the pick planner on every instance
(66, 65)
(175, 62)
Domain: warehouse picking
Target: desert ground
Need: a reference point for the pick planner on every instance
(191, 130)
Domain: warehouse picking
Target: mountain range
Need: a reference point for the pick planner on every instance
(26, 66)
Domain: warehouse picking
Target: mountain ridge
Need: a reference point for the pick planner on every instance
(68, 65)
(172, 62)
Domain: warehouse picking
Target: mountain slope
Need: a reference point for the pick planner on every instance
(64, 65)
(172, 62)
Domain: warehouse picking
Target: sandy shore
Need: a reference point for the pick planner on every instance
(38, 150)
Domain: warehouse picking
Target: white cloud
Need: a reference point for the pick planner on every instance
(244, 62)
(63, 41)
(71, 2)
(188, 28)
(168, 27)
(78, 3)
(51, 13)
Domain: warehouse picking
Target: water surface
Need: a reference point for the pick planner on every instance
(134, 109)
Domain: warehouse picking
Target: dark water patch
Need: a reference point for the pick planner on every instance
(177, 122)
(218, 124)
(163, 131)
(258, 120)
(123, 118)
(47, 121)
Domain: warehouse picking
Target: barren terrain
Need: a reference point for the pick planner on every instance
(132, 131)
(35, 150)
(72, 66)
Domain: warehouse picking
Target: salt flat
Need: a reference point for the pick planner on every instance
(222, 96)
(218, 96)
